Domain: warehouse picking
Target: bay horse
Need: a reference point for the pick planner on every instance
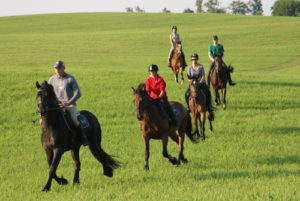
(155, 125)
(218, 80)
(57, 137)
(177, 62)
(198, 105)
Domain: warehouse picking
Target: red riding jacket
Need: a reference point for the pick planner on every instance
(154, 86)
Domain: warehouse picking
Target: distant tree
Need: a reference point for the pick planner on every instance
(198, 5)
(139, 10)
(286, 8)
(212, 6)
(165, 10)
(255, 7)
(239, 7)
(129, 10)
(187, 10)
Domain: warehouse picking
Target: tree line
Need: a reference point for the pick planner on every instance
(239, 7)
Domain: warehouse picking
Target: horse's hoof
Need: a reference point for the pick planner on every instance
(224, 107)
(184, 160)
(146, 168)
(173, 160)
(46, 189)
(76, 182)
(63, 181)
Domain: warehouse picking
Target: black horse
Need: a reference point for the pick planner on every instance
(57, 137)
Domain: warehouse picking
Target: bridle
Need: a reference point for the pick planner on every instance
(44, 105)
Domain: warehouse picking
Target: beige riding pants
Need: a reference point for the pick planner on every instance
(72, 109)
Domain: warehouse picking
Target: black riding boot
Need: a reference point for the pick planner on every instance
(229, 77)
(209, 73)
(83, 126)
(83, 136)
(183, 57)
(208, 96)
(187, 96)
(170, 113)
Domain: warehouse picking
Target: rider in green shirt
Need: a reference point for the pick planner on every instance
(215, 50)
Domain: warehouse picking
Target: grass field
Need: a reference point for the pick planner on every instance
(253, 153)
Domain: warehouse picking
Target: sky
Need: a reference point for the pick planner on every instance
(26, 7)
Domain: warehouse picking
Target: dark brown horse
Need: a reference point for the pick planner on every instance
(177, 63)
(57, 137)
(198, 105)
(218, 80)
(155, 125)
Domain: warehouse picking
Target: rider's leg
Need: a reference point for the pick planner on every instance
(209, 74)
(83, 130)
(170, 56)
(170, 112)
(187, 96)
(208, 96)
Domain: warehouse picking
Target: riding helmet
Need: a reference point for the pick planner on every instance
(153, 67)
(174, 27)
(59, 64)
(194, 56)
(215, 37)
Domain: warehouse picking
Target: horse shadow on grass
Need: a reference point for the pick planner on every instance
(274, 84)
(275, 160)
(285, 130)
(245, 174)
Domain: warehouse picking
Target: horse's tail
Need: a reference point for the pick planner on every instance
(188, 129)
(108, 162)
(230, 68)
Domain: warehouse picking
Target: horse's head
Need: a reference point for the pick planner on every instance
(141, 100)
(46, 99)
(194, 87)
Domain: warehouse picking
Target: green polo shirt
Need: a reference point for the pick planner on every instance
(215, 50)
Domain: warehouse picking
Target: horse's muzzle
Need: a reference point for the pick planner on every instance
(140, 117)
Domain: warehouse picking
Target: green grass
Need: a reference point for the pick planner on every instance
(253, 153)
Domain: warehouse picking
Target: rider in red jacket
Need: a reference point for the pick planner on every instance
(156, 88)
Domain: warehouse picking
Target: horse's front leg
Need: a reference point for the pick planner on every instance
(147, 152)
(176, 76)
(57, 153)
(182, 78)
(165, 150)
(181, 148)
(217, 97)
(77, 164)
(224, 98)
(202, 125)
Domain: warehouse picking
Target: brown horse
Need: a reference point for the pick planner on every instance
(198, 105)
(218, 80)
(155, 125)
(57, 137)
(177, 63)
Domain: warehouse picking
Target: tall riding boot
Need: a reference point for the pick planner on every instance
(187, 96)
(229, 78)
(170, 113)
(209, 73)
(184, 62)
(83, 136)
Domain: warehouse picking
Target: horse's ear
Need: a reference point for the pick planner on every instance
(133, 90)
(45, 82)
(37, 84)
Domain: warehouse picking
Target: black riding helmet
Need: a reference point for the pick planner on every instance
(153, 67)
(174, 27)
(194, 56)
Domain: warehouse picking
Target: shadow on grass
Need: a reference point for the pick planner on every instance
(249, 174)
(273, 84)
(274, 160)
(285, 130)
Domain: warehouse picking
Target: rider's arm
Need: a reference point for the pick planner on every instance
(171, 40)
(76, 92)
(162, 89)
